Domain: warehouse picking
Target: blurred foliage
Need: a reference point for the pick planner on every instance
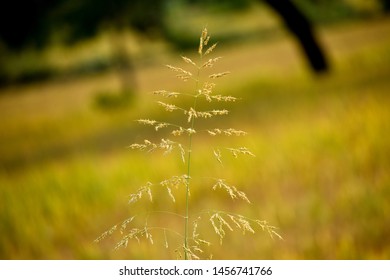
(331, 11)
(218, 6)
(326, 11)
(110, 100)
(55, 22)
(74, 19)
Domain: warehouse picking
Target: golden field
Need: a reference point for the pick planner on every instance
(321, 174)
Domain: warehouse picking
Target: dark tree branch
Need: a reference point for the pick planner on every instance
(301, 28)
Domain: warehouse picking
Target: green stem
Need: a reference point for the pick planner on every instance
(186, 216)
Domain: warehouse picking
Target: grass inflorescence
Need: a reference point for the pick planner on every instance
(180, 136)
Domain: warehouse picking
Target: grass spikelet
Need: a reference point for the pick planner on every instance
(232, 131)
(227, 132)
(195, 234)
(219, 75)
(183, 74)
(165, 93)
(204, 115)
(160, 125)
(221, 184)
(232, 190)
(209, 63)
(148, 235)
(147, 121)
(242, 223)
(166, 239)
(175, 181)
(240, 151)
(215, 131)
(210, 49)
(167, 145)
(190, 131)
(191, 114)
(245, 225)
(206, 41)
(242, 195)
(134, 233)
(106, 234)
(157, 125)
(207, 90)
(168, 107)
(235, 221)
(182, 153)
(219, 112)
(141, 191)
(178, 69)
(188, 60)
(224, 98)
(190, 253)
(125, 223)
(203, 41)
(218, 223)
(218, 155)
(270, 229)
(178, 132)
(147, 145)
(169, 190)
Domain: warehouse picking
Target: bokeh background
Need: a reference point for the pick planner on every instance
(74, 75)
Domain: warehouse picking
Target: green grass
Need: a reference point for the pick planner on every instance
(320, 175)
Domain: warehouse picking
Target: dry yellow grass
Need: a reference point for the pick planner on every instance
(320, 174)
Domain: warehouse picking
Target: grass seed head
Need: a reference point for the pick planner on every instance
(221, 222)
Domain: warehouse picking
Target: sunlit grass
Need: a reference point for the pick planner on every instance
(320, 174)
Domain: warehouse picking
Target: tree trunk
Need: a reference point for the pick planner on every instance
(300, 27)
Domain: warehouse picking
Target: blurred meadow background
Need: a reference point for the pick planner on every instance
(79, 75)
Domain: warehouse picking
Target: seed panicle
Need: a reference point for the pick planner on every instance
(221, 222)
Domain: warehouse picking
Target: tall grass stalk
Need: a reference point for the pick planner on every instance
(189, 156)
(220, 221)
